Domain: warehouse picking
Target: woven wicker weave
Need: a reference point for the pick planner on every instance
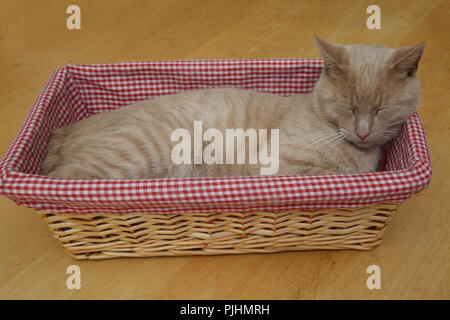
(102, 236)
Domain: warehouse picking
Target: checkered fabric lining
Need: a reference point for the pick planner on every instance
(78, 91)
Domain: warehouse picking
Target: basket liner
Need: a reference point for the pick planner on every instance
(75, 92)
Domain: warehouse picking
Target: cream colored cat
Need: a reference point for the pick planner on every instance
(362, 98)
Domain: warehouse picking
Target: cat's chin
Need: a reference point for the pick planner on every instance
(364, 144)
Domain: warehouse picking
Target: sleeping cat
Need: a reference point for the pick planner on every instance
(364, 95)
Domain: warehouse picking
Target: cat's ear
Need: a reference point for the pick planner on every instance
(405, 60)
(334, 55)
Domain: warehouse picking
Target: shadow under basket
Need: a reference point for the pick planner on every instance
(100, 236)
(96, 219)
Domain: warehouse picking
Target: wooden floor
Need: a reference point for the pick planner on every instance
(34, 41)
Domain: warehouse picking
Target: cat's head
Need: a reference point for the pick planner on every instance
(368, 91)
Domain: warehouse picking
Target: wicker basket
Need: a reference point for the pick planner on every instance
(97, 219)
(101, 236)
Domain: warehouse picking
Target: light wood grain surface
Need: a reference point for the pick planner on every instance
(34, 41)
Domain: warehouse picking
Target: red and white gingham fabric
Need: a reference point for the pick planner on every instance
(78, 91)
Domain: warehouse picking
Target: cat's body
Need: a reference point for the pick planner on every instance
(134, 141)
(318, 132)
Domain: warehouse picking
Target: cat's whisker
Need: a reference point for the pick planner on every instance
(389, 131)
(327, 133)
(397, 123)
(326, 143)
(331, 143)
(336, 143)
(324, 139)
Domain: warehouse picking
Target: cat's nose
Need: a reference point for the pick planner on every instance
(362, 133)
